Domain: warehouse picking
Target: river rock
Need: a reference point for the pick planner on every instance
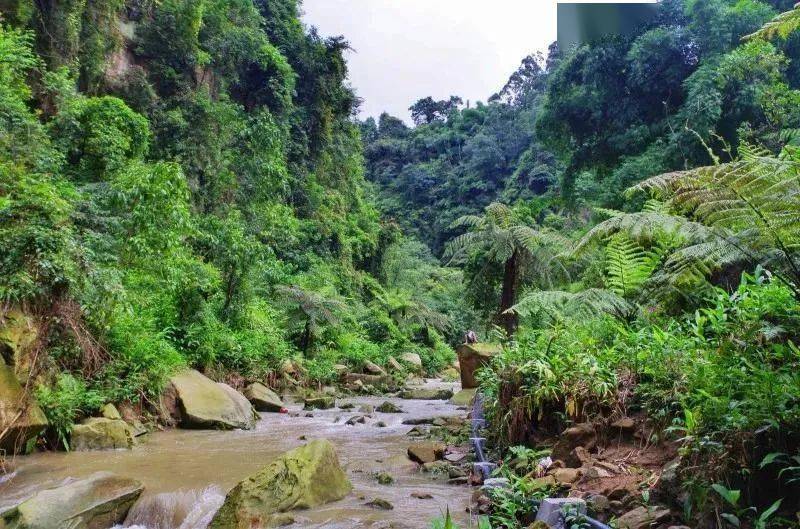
(204, 403)
(473, 356)
(340, 369)
(303, 478)
(450, 375)
(373, 368)
(322, 402)
(109, 411)
(97, 502)
(356, 419)
(384, 478)
(463, 397)
(21, 418)
(643, 517)
(413, 360)
(388, 407)
(380, 503)
(263, 398)
(426, 394)
(580, 435)
(551, 510)
(99, 433)
(426, 452)
(365, 379)
(394, 365)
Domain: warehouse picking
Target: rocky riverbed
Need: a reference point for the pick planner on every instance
(186, 473)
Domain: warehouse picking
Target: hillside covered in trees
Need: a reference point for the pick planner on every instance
(181, 184)
(185, 184)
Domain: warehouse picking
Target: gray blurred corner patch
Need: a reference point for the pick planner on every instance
(583, 23)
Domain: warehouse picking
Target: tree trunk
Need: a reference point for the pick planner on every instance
(509, 295)
(305, 342)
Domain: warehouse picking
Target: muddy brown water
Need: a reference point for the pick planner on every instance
(186, 473)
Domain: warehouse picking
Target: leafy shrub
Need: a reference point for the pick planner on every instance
(64, 403)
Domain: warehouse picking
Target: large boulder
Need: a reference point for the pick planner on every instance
(306, 477)
(21, 418)
(426, 394)
(97, 502)
(99, 433)
(427, 452)
(203, 403)
(472, 356)
(263, 398)
(413, 360)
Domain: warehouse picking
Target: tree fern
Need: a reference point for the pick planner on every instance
(781, 26)
(558, 304)
(749, 211)
(628, 265)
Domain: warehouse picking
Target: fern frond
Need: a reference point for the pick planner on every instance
(628, 265)
(584, 304)
(781, 26)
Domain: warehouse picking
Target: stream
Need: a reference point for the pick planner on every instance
(186, 473)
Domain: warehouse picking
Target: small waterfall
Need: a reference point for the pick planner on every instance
(185, 509)
(481, 466)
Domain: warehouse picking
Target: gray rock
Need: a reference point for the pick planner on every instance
(263, 398)
(551, 510)
(643, 517)
(99, 433)
(380, 503)
(99, 501)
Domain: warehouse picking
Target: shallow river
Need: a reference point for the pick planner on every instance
(187, 472)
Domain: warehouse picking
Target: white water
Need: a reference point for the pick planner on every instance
(186, 509)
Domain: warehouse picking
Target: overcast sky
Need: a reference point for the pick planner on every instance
(409, 49)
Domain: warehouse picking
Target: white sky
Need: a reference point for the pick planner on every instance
(409, 49)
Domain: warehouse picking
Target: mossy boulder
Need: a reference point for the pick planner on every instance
(463, 397)
(320, 402)
(97, 502)
(263, 398)
(21, 418)
(109, 411)
(389, 407)
(413, 360)
(203, 403)
(426, 394)
(303, 478)
(99, 433)
(19, 334)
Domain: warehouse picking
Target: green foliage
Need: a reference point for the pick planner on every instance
(64, 403)
(100, 135)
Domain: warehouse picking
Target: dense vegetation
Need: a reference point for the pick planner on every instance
(627, 214)
(181, 184)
